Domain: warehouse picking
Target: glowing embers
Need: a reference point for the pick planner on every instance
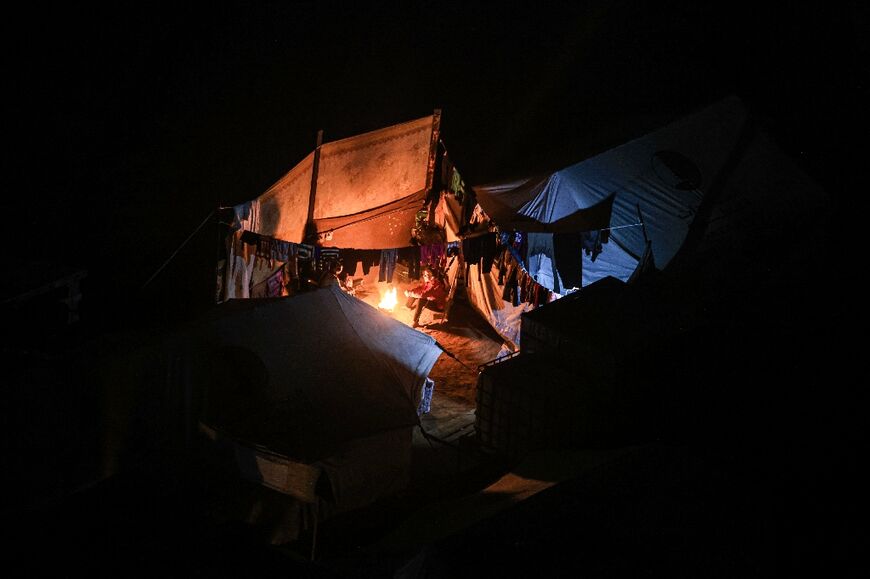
(388, 300)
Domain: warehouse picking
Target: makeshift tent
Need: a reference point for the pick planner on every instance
(313, 396)
(369, 193)
(713, 171)
(335, 369)
(627, 210)
(738, 264)
(342, 383)
(361, 192)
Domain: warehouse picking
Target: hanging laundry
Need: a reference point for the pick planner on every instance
(592, 242)
(324, 256)
(304, 252)
(511, 291)
(246, 216)
(280, 250)
(411, 256)
(432, 254)
(541, 263)
(350, 259)
(387, 265)
(569, 260)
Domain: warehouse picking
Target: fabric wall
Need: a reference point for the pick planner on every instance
(370, 170)
(284, 206)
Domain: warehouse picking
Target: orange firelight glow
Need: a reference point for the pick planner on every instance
(388, 301)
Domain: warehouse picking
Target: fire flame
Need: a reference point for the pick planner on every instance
(388, 301)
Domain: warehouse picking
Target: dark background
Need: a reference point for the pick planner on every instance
(126, 128)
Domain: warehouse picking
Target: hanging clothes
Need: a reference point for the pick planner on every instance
(350, 259)
(411, 256)
(511, 291)
(541, 262)
(387, 265)
(488, 251)
(280, 250)
(304, 252)
(592, 241)
(371, 258)
(326, 256)
(567, 253)
(431, 254)
(246, 216)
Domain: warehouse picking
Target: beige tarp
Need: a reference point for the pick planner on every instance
(367, 192)
(284, 206)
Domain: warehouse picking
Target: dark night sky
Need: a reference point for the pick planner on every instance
(128, 127)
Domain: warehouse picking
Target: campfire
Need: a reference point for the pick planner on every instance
(388, 300)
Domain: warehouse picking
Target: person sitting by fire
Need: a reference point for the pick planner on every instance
(430, 294)
(345, 281)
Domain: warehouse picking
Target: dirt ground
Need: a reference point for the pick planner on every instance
(467, 339)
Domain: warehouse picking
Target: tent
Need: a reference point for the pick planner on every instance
(362, 192)
(332, 369)
(710, 178)
(627, 210)
(311, 399)
(367, 193)
(740, 236)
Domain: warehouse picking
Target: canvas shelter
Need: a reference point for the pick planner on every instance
(712, 177)
(309, 399)
(361, 192)
(350, 199)
(327, 418)
(331, 369)
(737, 275)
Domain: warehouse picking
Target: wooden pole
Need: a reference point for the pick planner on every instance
(309, 225)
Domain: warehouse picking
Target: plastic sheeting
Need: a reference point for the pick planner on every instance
(484, 294)
(663, 175)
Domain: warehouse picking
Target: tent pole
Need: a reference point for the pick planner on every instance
(433, 148)
(310, 230)
(430, 167)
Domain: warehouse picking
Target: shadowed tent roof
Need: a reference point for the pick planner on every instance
(302, 375)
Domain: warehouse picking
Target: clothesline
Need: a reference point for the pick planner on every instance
(639, 223)
(174, 253)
